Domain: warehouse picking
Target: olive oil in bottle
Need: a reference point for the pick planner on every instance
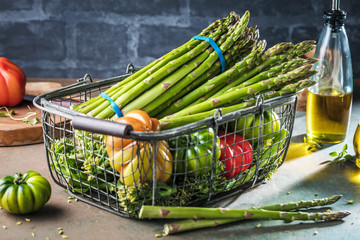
(356, 142)
(329, 112)
(329, 101)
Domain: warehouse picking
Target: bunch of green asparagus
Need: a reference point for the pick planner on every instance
(188, 66)
(278, 71)
(187, 85)
(212, 217)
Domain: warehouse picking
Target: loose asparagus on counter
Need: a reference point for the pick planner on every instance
(239, 214)
(192, 224)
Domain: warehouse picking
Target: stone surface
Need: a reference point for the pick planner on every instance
(46, 38)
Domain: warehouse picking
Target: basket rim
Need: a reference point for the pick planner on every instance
(44, 103)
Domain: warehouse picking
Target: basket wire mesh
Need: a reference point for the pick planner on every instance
(161, 168)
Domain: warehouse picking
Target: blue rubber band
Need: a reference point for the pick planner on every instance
(216, 48)
(113, 104)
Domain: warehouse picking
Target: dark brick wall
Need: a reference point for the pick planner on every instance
(65, 38)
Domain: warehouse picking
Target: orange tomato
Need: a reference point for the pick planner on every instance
(140, 116)
(131, 158)
(114, 144)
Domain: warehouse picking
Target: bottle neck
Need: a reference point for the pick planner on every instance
(335, 19)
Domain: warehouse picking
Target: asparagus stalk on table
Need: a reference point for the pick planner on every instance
(212, 217)
(239, 214)
(192, 224)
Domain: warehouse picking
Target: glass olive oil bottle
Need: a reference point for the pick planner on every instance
(329, 101)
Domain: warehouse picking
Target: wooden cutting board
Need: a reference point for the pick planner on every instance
(17, 132)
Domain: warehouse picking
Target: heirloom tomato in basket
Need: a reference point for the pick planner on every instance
(24, 193)
(193, 153)
(134, 160)
(236, 153)
(12, 83)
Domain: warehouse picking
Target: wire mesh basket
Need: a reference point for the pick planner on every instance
(197, 164)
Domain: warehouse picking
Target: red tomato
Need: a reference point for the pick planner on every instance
(12, 83)
(236, 153)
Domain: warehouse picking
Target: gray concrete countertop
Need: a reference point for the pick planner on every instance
(301, 177)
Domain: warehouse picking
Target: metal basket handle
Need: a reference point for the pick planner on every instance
(101, 126)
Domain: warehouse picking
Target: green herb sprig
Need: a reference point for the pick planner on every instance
(340, 157)
(27, 119)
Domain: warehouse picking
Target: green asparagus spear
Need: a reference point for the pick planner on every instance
(239, 214)
(193, 224)
(241, 93)
(180, 121)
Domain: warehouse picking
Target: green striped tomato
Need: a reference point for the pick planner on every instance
(24, 193)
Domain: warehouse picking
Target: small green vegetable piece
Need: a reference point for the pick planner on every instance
(24, 193)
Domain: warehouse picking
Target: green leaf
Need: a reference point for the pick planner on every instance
(341, 157)
(2, 114)
(333, 154)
